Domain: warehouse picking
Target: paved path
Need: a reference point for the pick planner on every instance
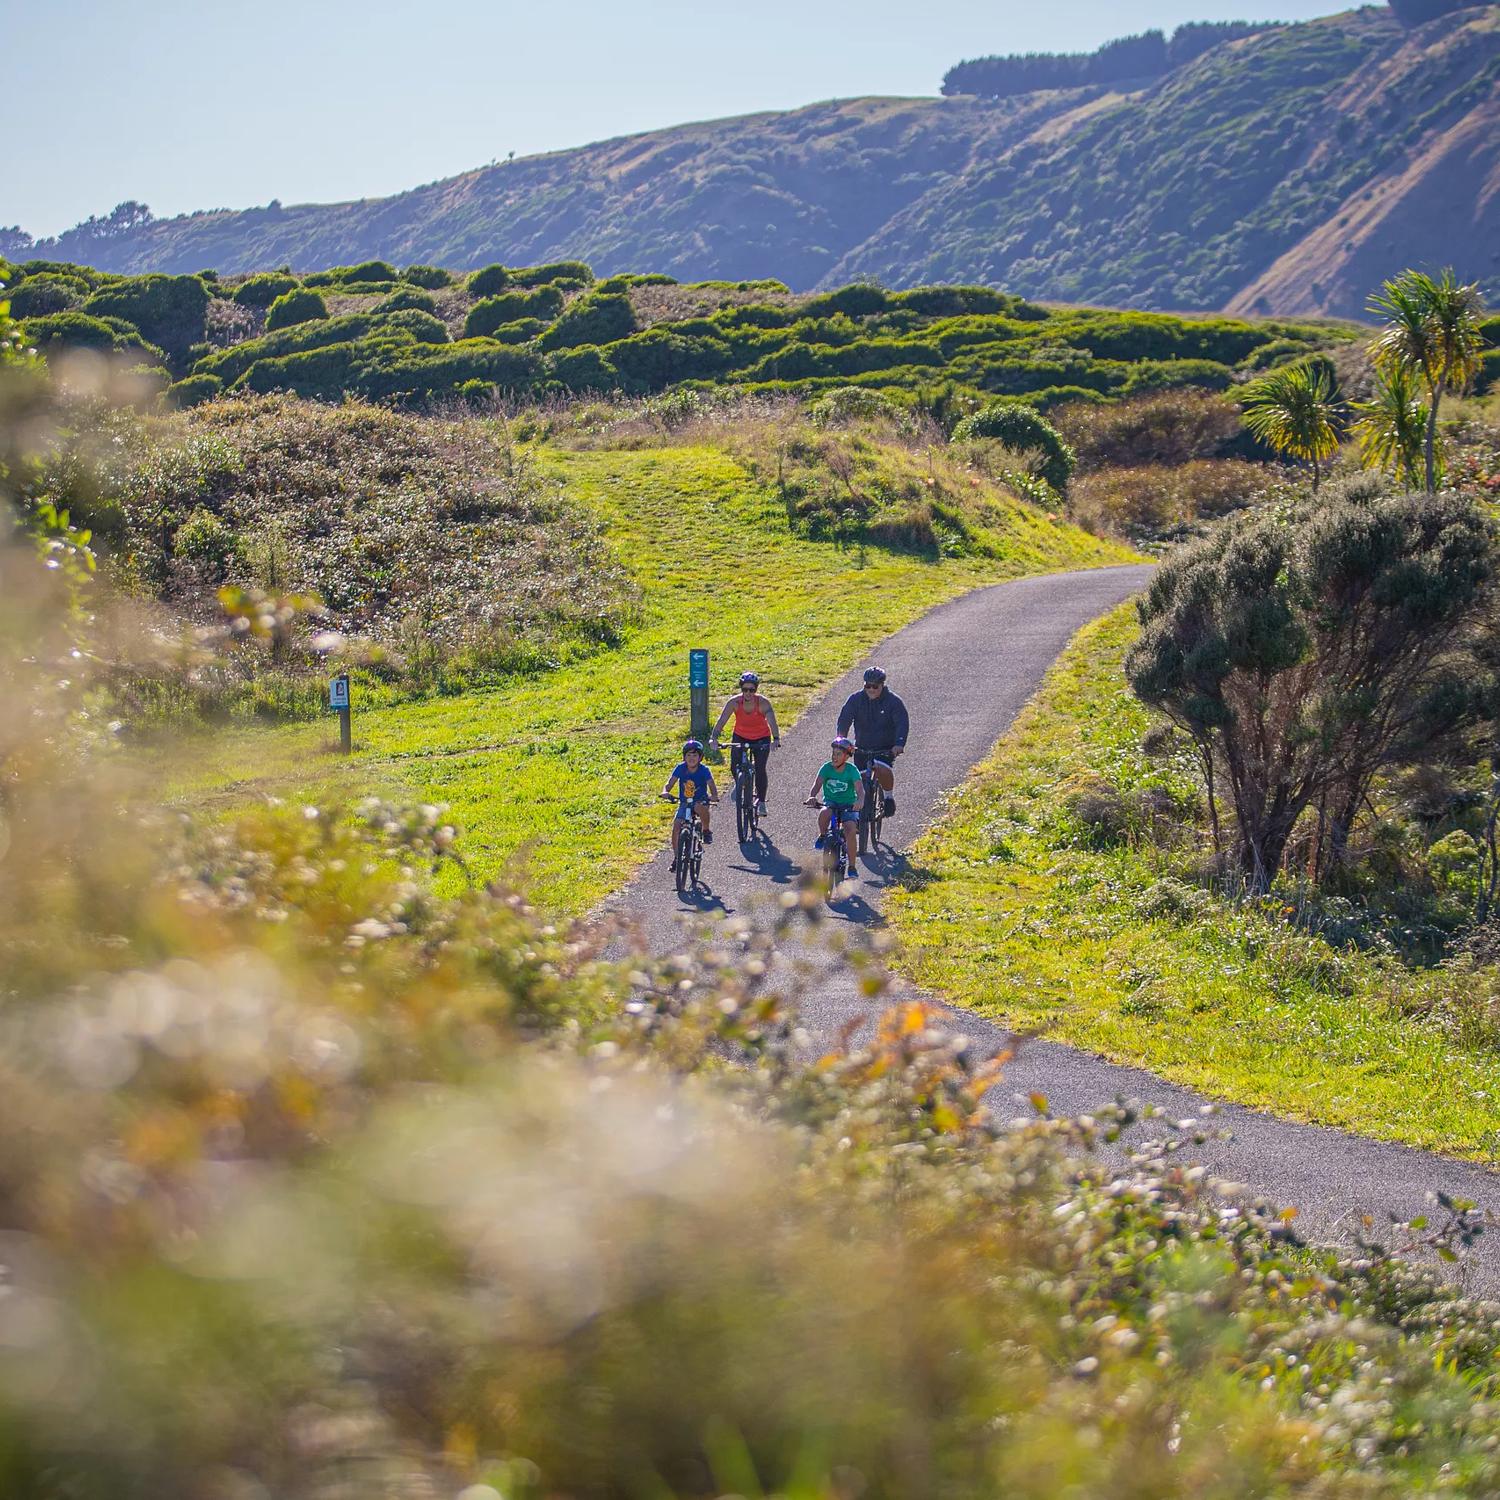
(965, 670)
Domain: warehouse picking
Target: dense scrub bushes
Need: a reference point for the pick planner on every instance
(1022, 431)
(643, 334)
(507, 307)
(301, 305)
(1174, 427)
(169, 311)
(263, 288)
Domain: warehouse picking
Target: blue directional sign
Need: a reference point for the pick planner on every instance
(698, 669)
(338, 692)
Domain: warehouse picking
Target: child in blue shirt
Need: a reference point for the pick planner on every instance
(695, 790)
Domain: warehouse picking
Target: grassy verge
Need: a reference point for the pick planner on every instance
(1017, 913)
(558, 770)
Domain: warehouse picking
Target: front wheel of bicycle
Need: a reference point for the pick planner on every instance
(744, 811)
(680, 864)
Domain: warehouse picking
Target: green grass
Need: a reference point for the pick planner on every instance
(1012, 914)
(554, 775)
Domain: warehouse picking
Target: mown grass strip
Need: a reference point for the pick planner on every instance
(1113, 949)
(555, 774)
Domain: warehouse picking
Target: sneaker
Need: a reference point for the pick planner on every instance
(890, 808)
(852, 873)
(760, 807)
(708, 838)
(818, 842)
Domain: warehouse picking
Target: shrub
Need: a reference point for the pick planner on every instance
(522, 331)
(170, 311)
(204, 542)
(1017, 427)
(486, 316)
(424, 327)
(584, 369)
(953, 301)
(300, 306)
(478, 392)
(79, 330)
(1173, 427)
(195, 389)
(408, 298)
(366, 271)
(1147, 502)
(598, 318)
(556, 272)
(431, 278)
(262, 289)
(46, 293)
(857, 300)
(849, 403)
(1305, 657)
(486, 282)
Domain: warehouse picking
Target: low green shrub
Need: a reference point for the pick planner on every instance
(204, 542)
(408, 298)
(46, 293)
(486, 316)
(80, 330)
(583, 369)
(858, 300)
(302, 305)
(169, 311)
(424, 327)
(598, 318)
(488, 281)
(850, 403)
(262, 289)
(195, 389)
(522, 331)
(1021, 430)
(430, 278)
(554, 272)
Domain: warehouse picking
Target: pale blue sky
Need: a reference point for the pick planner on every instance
(187, 104)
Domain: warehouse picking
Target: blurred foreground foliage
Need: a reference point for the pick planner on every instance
(314, 1184)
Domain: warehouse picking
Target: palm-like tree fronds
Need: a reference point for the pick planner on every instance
(1432, 332)
(1298, 411)
(1392, 427)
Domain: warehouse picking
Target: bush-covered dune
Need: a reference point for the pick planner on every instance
(387, 335)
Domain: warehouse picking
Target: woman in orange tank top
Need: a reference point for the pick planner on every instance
(755, 732)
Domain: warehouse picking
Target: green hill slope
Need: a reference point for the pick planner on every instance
(1283, 172)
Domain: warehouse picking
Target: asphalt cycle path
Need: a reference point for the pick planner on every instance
(965, 670)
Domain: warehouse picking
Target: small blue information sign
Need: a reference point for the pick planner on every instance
(698, 669)
(338, 692)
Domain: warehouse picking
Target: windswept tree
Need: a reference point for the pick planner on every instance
(1298, 411)
(1432, 331)
(1392, 425)
(1304, 658)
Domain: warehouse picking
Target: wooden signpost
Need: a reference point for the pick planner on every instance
(338, 701)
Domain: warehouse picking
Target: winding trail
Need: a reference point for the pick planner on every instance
(965, 670)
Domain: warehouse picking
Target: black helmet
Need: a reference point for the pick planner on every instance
(750, 678)
(874, 674)
(842, 742)
(693, 745)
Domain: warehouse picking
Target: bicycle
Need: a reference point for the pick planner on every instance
(835, 845)
(687, 863)
(872, 814)
(746, 818)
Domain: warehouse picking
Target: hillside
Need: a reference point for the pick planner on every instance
(1279, 172)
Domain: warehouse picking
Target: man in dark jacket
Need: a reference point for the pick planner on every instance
(879, 723)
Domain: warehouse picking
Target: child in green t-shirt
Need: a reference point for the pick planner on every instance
(841, 786)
